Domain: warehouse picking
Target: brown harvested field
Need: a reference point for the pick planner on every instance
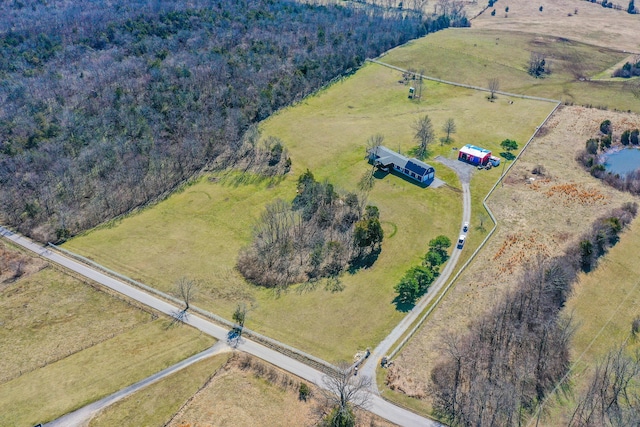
(539, 216)
(249, 392)
(593, 24)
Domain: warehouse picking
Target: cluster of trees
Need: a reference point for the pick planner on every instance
(263, 156)
(609, 4)
(589, 158)
(106, 108)
(514, 356)
(538, 65)
(629, 69)
(318, 235)
(417, 280)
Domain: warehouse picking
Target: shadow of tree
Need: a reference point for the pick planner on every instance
(364, 262)
(402, 306)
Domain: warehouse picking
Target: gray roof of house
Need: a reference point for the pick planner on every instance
(386, 157)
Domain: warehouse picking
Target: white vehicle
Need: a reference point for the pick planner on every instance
(465, 227)
(461, 241)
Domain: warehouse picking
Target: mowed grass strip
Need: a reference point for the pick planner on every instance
(98, 371)
(473, 56)
(48, 315)
(156, 404)
(199, 231)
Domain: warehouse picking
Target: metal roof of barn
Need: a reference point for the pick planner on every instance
(475, 151)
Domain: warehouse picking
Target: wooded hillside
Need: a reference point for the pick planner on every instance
(105, 106)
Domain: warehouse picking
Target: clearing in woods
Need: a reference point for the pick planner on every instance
(197, 232)
(538, 217)
(66, 344)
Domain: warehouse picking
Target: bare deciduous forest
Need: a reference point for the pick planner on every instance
(107, 106)
(516, 354)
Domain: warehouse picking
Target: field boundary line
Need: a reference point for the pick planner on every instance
(293, 352)
(483, 89)
(444, 291)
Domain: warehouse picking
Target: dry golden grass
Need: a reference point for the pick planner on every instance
(100, 370)
(592, 24)
(14, 265)
(223, 391)
(47, 316)
(532, 219)
(156, 404)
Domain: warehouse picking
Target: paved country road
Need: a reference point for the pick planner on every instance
(377, 405)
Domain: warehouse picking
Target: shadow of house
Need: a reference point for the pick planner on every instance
(387, 160)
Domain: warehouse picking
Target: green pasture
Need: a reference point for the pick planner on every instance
(198, 231)
(473, 57)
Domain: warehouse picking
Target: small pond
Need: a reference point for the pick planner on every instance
(622, 162)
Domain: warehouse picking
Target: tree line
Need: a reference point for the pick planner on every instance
(106, 109)
(629, 69)
(317, 235)
(496, 374)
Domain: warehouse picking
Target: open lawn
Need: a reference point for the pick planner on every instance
(198, 231)
(473, 56)
(542, 216)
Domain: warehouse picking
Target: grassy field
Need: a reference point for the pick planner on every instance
(197, 232)
(95, 372)
(66, 344)
(156, 404)
(603, 305)
(591, 24)
(473, 56)
(221, 392)
(539, 217)
(48, 316)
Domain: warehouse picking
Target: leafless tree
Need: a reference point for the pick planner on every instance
(186, 290)
(449, 128)
(374, 142)
(344, 390)
(612, 398)
(424, 135)
(494, 86)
